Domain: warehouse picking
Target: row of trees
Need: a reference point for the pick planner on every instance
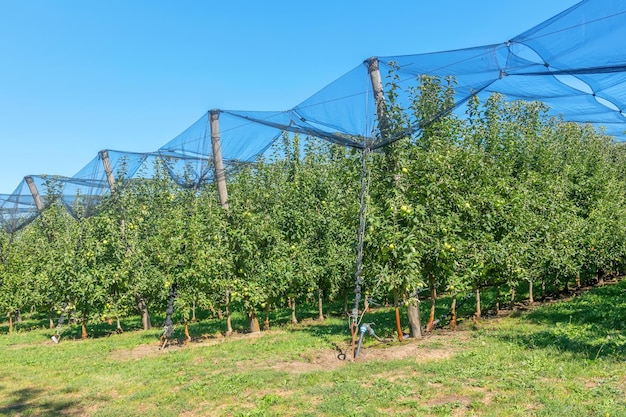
(506, 197)
(503, 197)
(285, 238)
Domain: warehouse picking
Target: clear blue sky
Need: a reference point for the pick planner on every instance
(80, 76)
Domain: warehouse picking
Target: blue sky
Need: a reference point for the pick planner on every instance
(80, 76)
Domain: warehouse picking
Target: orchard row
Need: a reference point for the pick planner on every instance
(504, 196)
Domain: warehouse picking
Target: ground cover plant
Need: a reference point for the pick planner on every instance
(561, 358)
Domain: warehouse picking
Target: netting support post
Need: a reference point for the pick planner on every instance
(379, 97)
(106, 162)
(218, 164)
(373, 70)
(359, 255)
(33, 190)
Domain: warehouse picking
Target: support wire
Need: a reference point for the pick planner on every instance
(354, 318)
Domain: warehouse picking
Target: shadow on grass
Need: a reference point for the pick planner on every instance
(566, 340)
(589, 325)
(336, 328)
(29, 322)
(27, 402)
(604, 308)
(100, 329)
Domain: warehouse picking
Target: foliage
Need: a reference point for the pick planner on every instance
(504, 197)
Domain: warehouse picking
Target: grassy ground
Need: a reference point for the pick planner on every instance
(559, 359)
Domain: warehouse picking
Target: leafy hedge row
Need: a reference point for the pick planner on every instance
(504, 196)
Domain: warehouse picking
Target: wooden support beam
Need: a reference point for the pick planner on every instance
(218, 164)
(104, 155)
(33, 190)
(379, 94)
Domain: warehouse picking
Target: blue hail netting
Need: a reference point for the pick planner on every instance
(78, 196)
(573, 62)
(16, 211)
(123, 165)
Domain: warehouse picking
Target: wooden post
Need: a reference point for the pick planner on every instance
(220, 179)
(220, 175)
(104, 154)
(33, 190)
(379, 95)
(377, 86)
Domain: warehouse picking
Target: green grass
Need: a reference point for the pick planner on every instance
(560, 359)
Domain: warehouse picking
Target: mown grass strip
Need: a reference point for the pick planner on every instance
(565, 358)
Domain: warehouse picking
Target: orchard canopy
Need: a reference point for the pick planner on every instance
(573, 62)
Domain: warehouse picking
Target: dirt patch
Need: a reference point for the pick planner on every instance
(422, 350)
(408, 349)
(435, 346)
(460, 404)
(591, 384)
(311, 362)
(458, 399)
(173, 345)
(137, 352)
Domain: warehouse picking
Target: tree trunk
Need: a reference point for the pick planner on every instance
(477, 303)
(320, 305)
(543, 290)
(433, 298)
(187, 337)
(578, 281)
(512, 302)
(266, 323)
(292, 304)
(145, 316)
(118, 325)
(10, 315)
(531, 295)
(83, 322)
(345, 302)
(612, 272)
(453, 313)
(396, 302)
(229, 325)
(193, 312)
(399, 325)
(50, 320)
(253, 323)
(497, 300)
(413, 314)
